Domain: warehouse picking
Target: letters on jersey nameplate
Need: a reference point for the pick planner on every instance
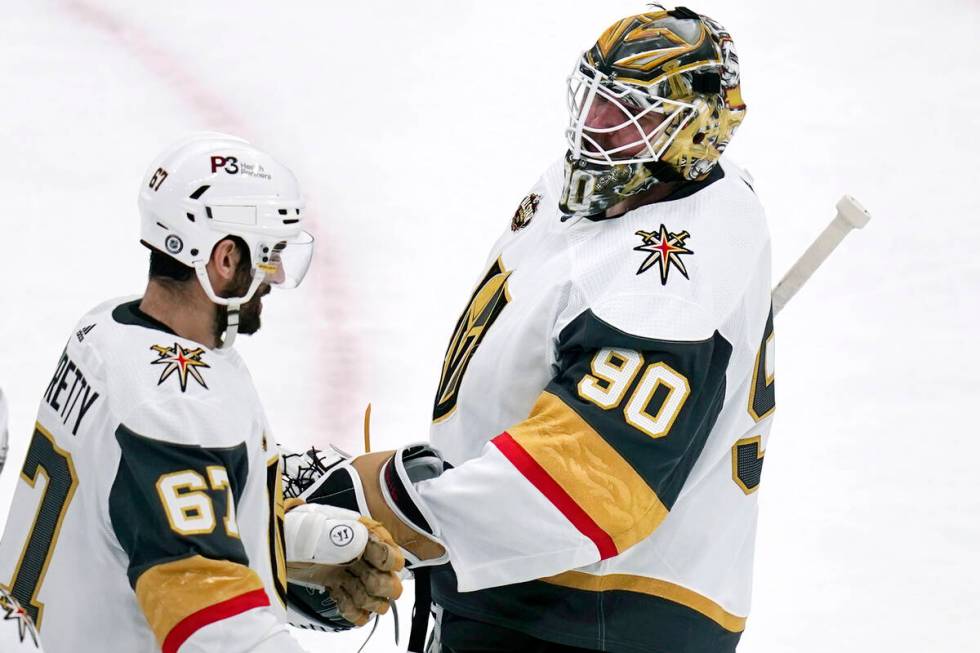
(73, 406)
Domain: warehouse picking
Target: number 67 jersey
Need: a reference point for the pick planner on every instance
(148, 512)
(605, 400)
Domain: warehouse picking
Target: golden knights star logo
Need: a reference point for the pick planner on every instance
(10, 610)
(186, 363)
(663, 248)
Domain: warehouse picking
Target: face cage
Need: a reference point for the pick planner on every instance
(586, 83)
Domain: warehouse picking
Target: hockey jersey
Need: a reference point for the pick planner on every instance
(148, 515)
(606, 398)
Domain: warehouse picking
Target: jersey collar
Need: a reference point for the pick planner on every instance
(130, 314)
(685, 190)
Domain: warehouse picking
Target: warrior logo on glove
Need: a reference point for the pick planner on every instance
(341, 567)
(341, 535)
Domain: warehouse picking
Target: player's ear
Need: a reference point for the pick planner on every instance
(224, 261)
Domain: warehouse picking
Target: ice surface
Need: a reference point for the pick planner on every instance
(416, 129)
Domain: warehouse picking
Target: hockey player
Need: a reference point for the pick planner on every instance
(607, 393)
(150, 515)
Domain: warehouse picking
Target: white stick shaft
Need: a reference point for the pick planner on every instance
(850, 215)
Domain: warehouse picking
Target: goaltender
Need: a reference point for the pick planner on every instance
(150, 513)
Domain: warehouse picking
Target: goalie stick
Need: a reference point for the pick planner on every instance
(850, 215)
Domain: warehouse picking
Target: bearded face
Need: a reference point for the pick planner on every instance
(250, 313)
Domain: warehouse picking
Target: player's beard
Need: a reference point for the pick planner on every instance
(250, 313)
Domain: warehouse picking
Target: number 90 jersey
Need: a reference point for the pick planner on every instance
(606, 399)
(148, 512)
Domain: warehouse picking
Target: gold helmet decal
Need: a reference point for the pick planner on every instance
(647, 48)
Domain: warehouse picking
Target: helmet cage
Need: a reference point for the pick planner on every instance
(586, 83)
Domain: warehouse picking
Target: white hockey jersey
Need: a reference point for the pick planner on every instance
(606, 399)
(149, 512)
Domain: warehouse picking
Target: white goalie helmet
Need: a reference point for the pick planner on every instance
(209, 186)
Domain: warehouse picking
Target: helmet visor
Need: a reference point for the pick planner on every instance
(613, 123)
(286, 261)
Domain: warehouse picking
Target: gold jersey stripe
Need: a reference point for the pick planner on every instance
(651, 587)
(171, 592)
(593, 474)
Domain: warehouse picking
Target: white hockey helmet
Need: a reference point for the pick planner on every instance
(17, 631)
(209, 186)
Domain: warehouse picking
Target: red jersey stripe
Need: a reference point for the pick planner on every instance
(539, 478)
(194, 622)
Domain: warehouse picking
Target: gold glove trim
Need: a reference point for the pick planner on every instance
(368, 468)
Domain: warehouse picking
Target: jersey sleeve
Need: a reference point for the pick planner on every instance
(595, 467)
(173, 507)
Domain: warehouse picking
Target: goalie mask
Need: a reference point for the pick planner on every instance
(209, 186)
(656, 99)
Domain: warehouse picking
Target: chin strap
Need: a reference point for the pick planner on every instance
(228, 339)
(234, 304)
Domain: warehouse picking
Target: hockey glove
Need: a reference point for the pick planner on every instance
(349, 558)
(301, 470)
(381, 486)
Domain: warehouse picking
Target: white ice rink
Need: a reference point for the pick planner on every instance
(417, 127)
